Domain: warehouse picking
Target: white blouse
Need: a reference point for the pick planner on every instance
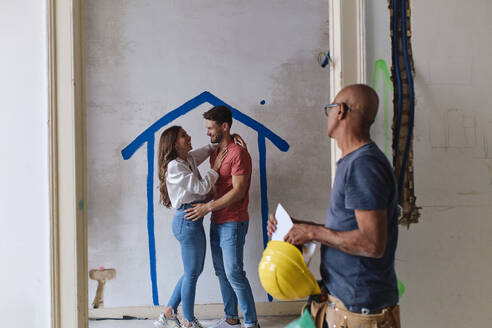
(183, 180)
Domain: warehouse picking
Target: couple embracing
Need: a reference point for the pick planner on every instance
(223, 191)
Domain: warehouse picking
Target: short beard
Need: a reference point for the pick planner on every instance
(218, 138)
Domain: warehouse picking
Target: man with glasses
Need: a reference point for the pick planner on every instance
(360, 234)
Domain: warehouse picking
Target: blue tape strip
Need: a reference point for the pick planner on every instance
(148, 136)
(264, 192)
(263, 187)
(150, 218)
(204, 97)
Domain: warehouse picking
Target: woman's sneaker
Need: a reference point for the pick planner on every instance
(163, 322)
(194, 324)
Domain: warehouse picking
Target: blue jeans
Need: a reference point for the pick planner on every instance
(227, 244)
(191, 237)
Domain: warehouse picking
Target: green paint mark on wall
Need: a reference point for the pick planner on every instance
(401, 289)
(382, 75)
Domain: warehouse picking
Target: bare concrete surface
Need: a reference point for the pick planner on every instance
(265, 322)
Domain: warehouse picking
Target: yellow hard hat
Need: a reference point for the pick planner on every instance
(284, 274)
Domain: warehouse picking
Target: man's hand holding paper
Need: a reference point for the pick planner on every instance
(282, 227)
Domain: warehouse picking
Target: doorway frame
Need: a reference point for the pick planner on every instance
(67, 147)
(66, 126)
(348, 53)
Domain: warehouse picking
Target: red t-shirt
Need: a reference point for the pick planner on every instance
(236, 162)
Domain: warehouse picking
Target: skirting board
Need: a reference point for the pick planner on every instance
(202, 311)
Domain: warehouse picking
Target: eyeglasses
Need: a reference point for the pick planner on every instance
(330, 106)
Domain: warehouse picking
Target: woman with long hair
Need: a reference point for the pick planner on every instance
(181, 185)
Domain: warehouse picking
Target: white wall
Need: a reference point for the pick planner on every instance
(24, 189)
(378, 50)
(451, 270)
(145, 58)
(445, 259)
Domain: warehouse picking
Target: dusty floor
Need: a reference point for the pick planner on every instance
(265, 322)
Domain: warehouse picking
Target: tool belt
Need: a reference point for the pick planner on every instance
(329, 311)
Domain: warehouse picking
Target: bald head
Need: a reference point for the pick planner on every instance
(362, 100)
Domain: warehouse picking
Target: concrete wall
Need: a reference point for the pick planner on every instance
(24, 189)
(144, 59)
(444, 260)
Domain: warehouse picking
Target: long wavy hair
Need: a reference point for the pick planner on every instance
(167, 153)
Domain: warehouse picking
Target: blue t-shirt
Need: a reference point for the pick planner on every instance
(364, 180)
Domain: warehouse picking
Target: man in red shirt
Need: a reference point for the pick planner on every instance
(230, 220)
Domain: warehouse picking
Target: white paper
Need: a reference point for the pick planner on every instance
(308, 251)
(284, 223)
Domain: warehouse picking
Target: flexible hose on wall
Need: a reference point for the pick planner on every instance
(411, 96)
(404, 109)
(399, 90)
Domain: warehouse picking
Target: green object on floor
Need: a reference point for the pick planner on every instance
(304, 321)
(401, 289)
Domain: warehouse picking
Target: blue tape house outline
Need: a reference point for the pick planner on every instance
(148, 137)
